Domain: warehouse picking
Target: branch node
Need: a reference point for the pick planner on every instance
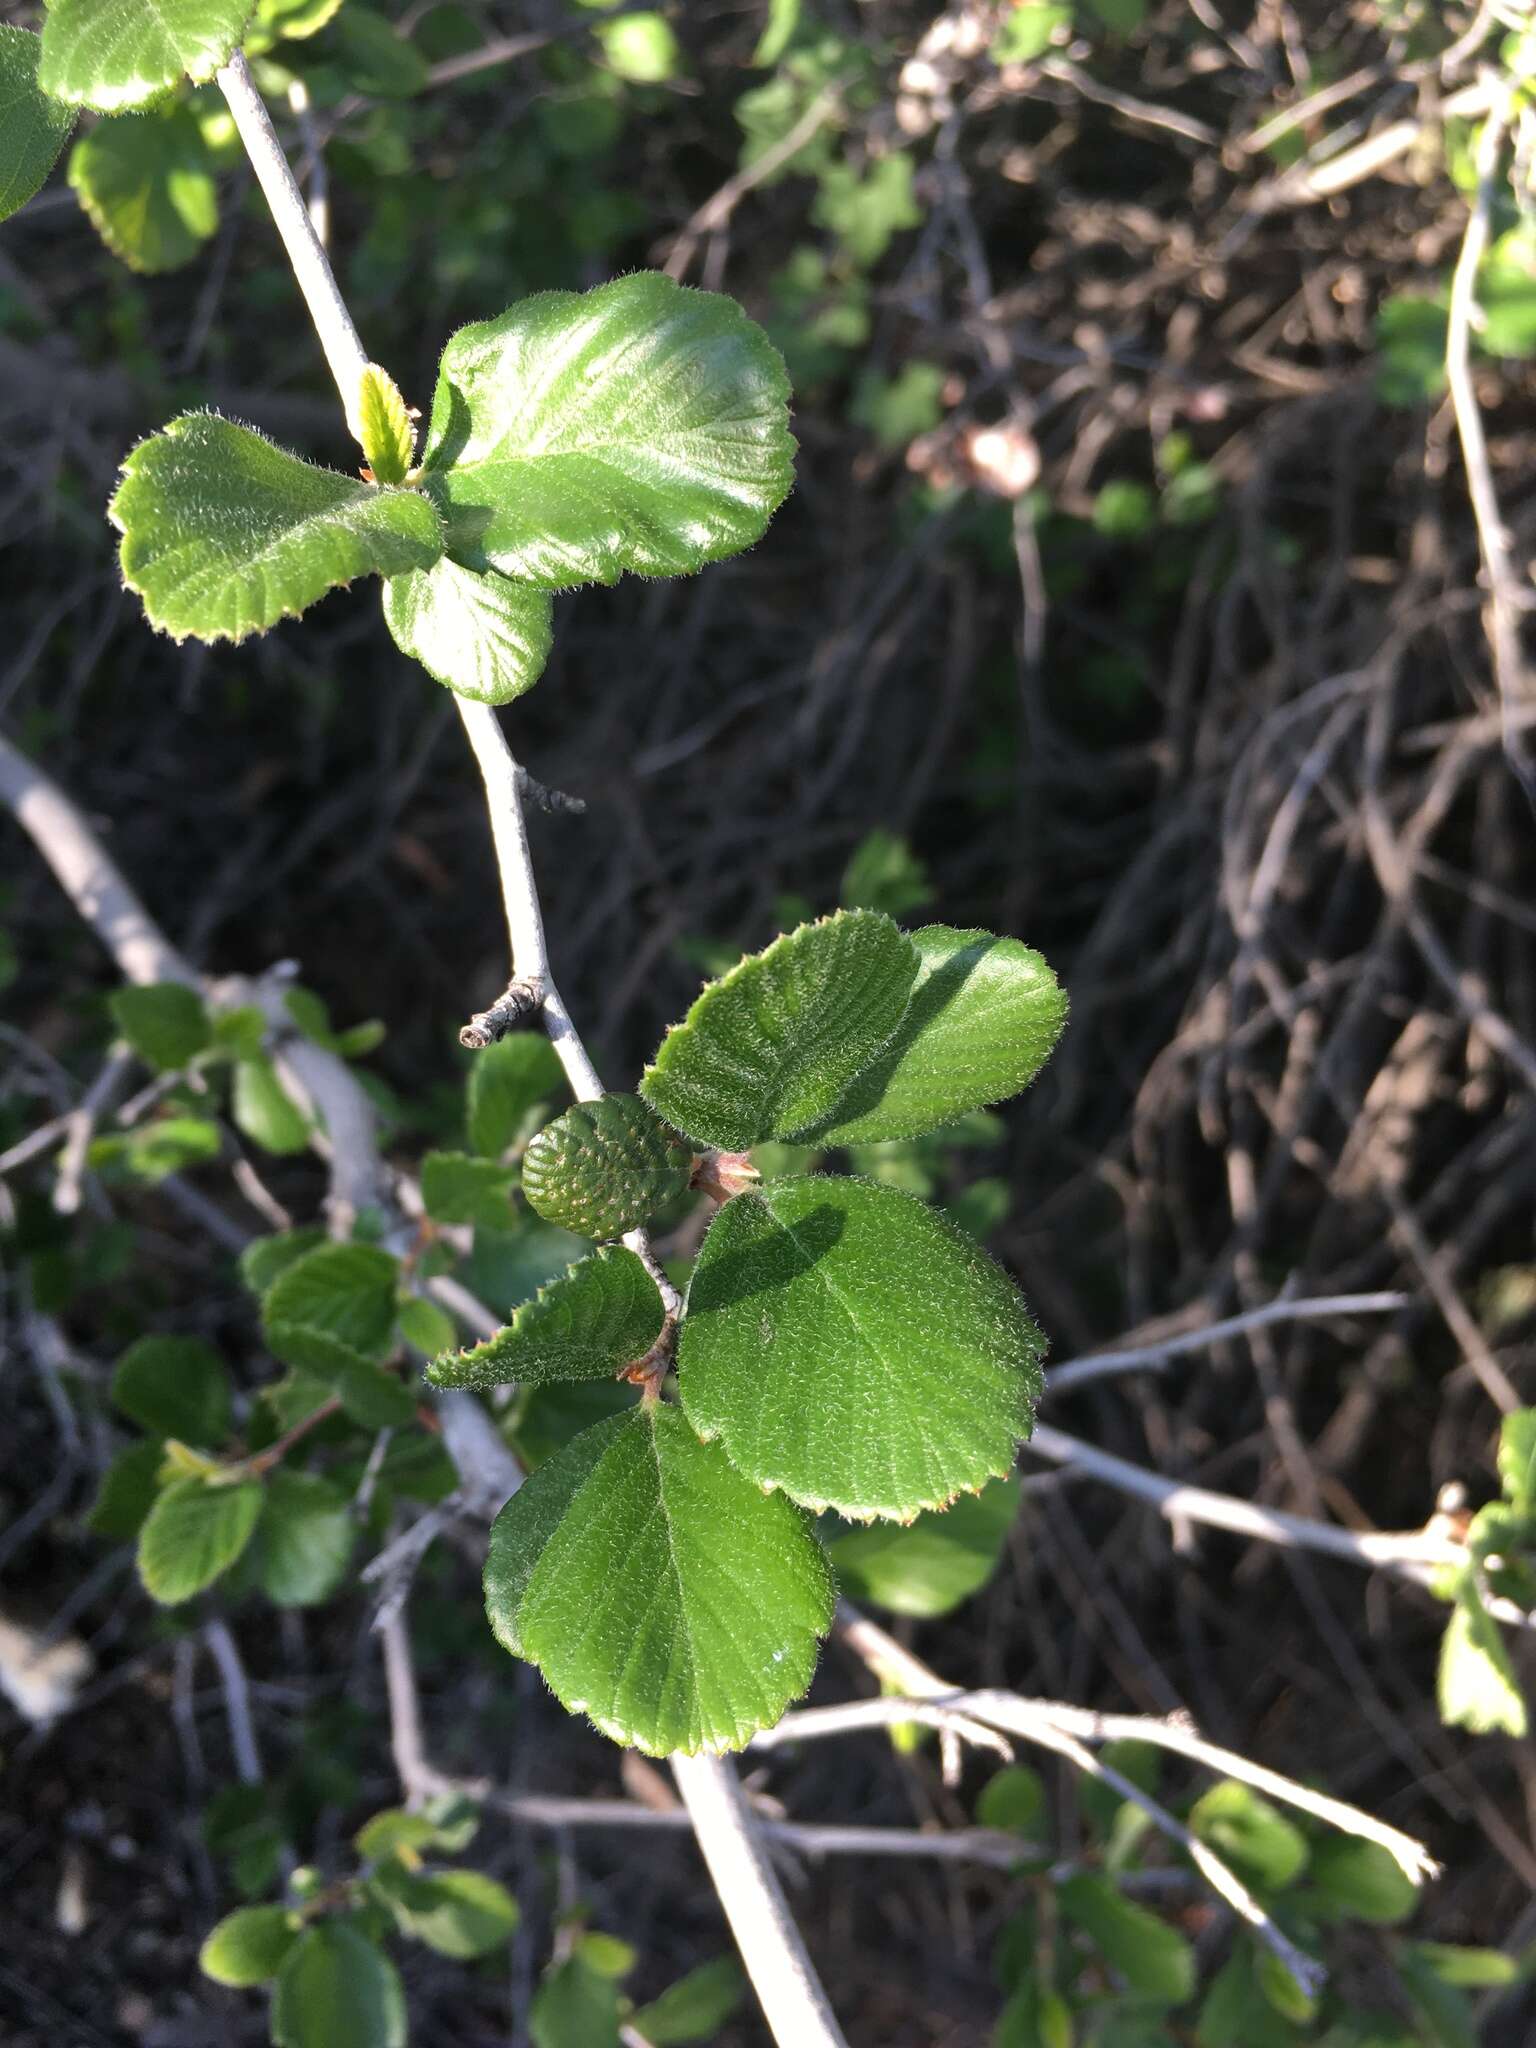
(518, 1001)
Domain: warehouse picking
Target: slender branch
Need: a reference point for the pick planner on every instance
(311, 267)
(1151, 1357)
(237, 1701)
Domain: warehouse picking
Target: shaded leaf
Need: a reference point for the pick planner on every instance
(263, 1110)
(165, 1023)
(1154, 1959)
(373, 1398)
(602, 1314)
(175, 1386)
(457, 1188)
(1517, 1460)
(304, 1541)
(640, 426)
(482, 634)
(379, 62)
(604, 1167)
(224, 533)
(1248, 1832)
(769, 1050)
(1359, 1880)
(849, 1345)
(127, 1492)
(193, 1533)
(34, 127)
(457, 1912)
(696, 2007)
(249, 1946)
(933, 1564)
(575, 2007)
(337, 1990)
(984, 1016)
(266, 1258)
(345, 1290)
(1013, 1799)
(507, 1083)
(659, 1591)
(112, 54)
(883, 873)
(147, 183)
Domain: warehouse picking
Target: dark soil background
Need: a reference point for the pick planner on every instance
(1171, 761)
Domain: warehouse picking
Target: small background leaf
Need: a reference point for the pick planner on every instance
(304, 1540)
(932, 1565)
(249, 1946)
(195, 1532)
(507, 1083)
(337, 1990)
(175, 1386)
(165, 1023)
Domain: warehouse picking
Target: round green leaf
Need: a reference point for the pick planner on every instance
(373, 1398)
(264, 1111)
(767, 1051)
(304, 1540)
(931, 1566)
(457, 1912)
(33, 126)
(640, 426)
(112, 54)
(337, 1990)
(249, 1946)
(605, 1166)
(193, 1533)
(478, 632)
(600, 1315)
(224, 533)
(984, 1016)
(658, 1590)
(576, 2007)
(164, 1022)
(147, 183)
(345, 1290)
(175, 1386)
(846, 1343)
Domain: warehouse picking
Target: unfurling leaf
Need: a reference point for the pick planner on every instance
(388, 438)
(112, 54)
(984, 1015)
(640, 426)
(658, 1590)
(772, 1047)
(850, 1346)
(602, 1314)
(224, 533)
(476, 631)
(34, 127)
(605, 1167)
(147, 183)
(194, 1533)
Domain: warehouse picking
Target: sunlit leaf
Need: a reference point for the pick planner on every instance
(249, 1946)
(112, 54)
(147, 183)
(195, 1532)
(478, 632)
(601, 1315)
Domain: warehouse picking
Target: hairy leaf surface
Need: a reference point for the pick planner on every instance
(147, 183)
(112, 54)
(33, 126)
(768, 1050)
(658, 1590)
(604, 1167)
(602, 1314)
(640, 426)
(849, 1345)
(476, 631)
(224, 533)
(984, 1016)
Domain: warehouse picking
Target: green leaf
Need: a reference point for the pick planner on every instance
(175, 1386)
(249, 1946)
(1359, 1880)
(984, 1016)
(165, 1023)
(602, 1314)
(128, 1490)
(169, 1144)
(936, 1562)
(1517, 1460)
(1410, 337)
(867, 209)
(147, 183)
(1028, 30)
(778, 32)
(1506, 297)
(33, 126)
(457, 1912)
(849, 1345)
(1156, 1962)
(337, 1990)
(482, 634)
(575, 2007)
(695, 2008)
(883, 873)
(344, 1290)
(304, 1541)
(1442, 2010)
(639, 426)
(1013, 1799)
(377, 60)
(449, 1822)
(384, 427)
(1251, 1834)
(657, 1589)
(373, 1398)
(768, 1051)
(1470, 1969)
(1477, 1686)
(641, 48)
(457, 1188)
(193, 1533)
(263, 1110)
(295, 18)
(426, 1327)
(224, 534)
(605, 1166)
(507, 1083)
(265, 1259)
(112, 54)
(1235, 2013)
